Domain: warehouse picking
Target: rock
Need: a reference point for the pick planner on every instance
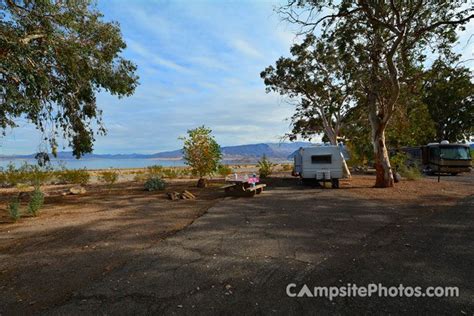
(77, 190)
(202, 183)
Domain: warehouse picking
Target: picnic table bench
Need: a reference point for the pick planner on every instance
(243, 186)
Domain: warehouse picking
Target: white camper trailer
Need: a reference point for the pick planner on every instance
(319, 164)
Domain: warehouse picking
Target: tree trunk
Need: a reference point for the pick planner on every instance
(345, 168)
(384, 175)
(332, 135)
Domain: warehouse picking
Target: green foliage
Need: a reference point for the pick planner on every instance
(26, 174)
(73, 176)
(265, 167)
(155, 183)
(411, 123)
(449, 95)
(315, 77)
(401, 165)
(383, 45)
(56, 55)
(201, 151)
(155, 170)
(108, 177)
(170, 173)
(36, 201)
(224, 170)
(14, 209)
(410, 173)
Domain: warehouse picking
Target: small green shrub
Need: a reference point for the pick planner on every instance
(12, 176)
(410, 173)
(170, 173)
(140, 176)
(154, 184)
(37, 175)
(224, 170)
(14, 209)
(36, 201)
(155, 170)
(400, 163)
(73, 176)
(108, 177)
(265, 167)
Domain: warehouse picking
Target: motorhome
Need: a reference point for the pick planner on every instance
(319, 164)
(444, 157)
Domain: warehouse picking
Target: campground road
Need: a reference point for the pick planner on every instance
(239, 257)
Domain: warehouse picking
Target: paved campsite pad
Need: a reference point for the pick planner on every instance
(239, 257)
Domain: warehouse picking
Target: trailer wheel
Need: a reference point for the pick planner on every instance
(335, 183)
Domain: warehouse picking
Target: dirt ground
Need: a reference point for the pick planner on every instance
(124, 250)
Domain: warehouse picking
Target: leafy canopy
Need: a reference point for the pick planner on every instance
(54, 57)
(201, 151)
(314, 76)
(449, 94)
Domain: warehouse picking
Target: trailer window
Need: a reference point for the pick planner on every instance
(321, 159)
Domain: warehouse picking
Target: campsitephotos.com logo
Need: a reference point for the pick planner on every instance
(353, 290)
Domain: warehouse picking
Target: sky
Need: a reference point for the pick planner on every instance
(199, 63)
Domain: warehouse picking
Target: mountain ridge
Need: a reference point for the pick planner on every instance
(246, 151)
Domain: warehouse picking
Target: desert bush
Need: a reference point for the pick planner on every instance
(12, 176)
(154, 184)
(140, 176)
(170, 173)
(286, 167)
(73, 176)
(25, 175)
(400, 164)
(14, 209)
(410, 173)
(186, 172)
(37, 175)
(155, 170)
(109, 177)
(265, 167)
(36, 201)
(224, 170)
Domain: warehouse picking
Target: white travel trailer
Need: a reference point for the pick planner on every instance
(319, 164)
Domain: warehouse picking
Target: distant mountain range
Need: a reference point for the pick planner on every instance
(251, 152)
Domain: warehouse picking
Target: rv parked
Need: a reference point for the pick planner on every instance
(319, 164)
(441, 157)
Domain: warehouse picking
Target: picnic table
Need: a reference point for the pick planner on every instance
(243, 185)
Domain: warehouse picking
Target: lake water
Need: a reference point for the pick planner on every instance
(97, 163)
(114, 163)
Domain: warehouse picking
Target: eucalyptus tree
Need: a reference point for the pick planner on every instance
(54, 57)
(315, 78)
(386, 38)
(449, 94)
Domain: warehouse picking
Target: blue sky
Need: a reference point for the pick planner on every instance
(199, 63)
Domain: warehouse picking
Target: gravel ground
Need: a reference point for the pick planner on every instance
(239, 255)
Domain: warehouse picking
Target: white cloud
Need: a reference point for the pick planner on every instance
(246, 48)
